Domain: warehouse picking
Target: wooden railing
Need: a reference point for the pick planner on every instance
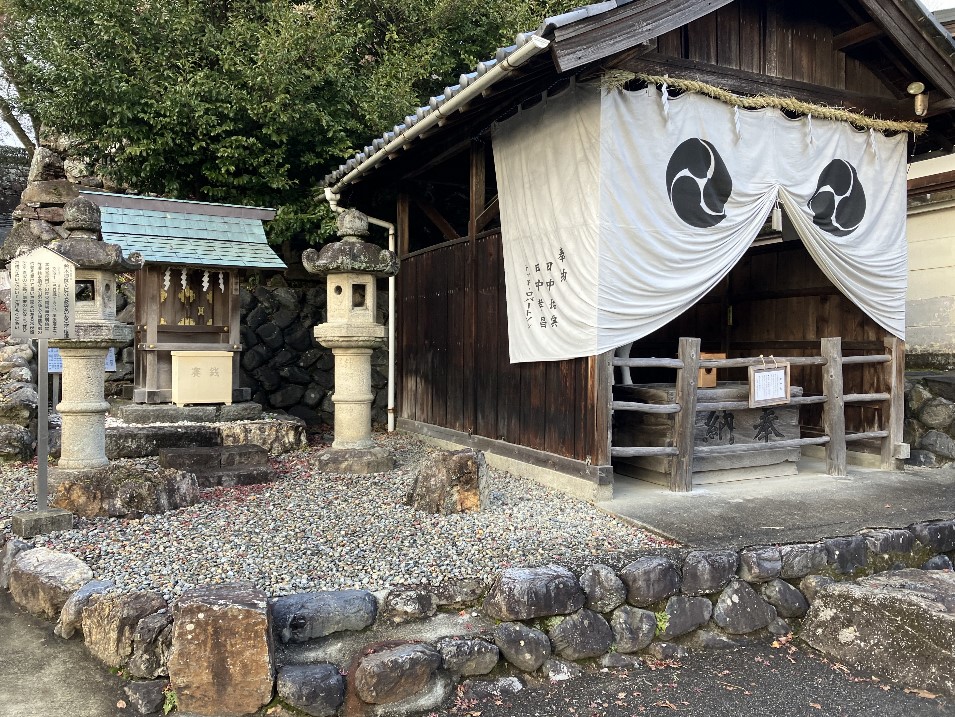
(685, 407)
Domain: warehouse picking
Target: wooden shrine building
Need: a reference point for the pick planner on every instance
(187, 293)
(495, 179)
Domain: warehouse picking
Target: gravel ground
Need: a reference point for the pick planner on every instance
(322, 531)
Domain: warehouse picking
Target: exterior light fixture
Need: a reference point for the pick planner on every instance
(917, 90)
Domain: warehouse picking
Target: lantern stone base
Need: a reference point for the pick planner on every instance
(361, 461)
(32, 523)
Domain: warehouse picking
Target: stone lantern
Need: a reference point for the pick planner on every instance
(351, 332)
(83, 408)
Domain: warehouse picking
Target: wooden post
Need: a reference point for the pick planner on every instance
(477, 197)
(681, 476)
(402, 224)
(834, 410)
(604, 406)
(893, 410)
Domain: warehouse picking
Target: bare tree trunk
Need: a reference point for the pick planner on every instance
(6, 114)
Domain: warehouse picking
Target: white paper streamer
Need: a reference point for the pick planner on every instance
(167, 275)
(185, 276)
(739, 130)
(222, 282)
(809, 128)
(665, 101)
(205, 280)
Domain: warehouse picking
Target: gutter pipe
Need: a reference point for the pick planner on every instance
(534, 46)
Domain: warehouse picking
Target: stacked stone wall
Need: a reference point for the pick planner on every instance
(336, 652)
(930, 419)
(282, 363)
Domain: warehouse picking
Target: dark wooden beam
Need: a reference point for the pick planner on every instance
(857, 36)
(932, 183)
(918, 42)
(595, 38)
(443, 225)
(490, 211)
(751, 83)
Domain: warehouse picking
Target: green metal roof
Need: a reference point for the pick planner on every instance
(188, 238)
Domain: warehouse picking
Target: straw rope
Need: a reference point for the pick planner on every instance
(616, 79)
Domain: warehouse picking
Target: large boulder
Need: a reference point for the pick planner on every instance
(221, 661)
(757, 565)
(522, 646)
(936, 535)
(11, 549)
(316, 690)
(396, 673)
(404, 605)
(740, 610)
(708, 571)
(604, 590)
(42, 580)
(685, 614)
(633, 628)
(802, 559)
(71, 616)
(468, 656)
(526, 593)
(152, 640)
(277, 436)
(308, 616)
(580, 636)
(899, 624)
(124, 490)
(110, 619)
(650, 580)
(450, 482)
(16, 443)
(787, 600)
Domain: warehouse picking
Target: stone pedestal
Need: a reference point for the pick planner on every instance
(351, 332)
(83, 408)
(40, 522)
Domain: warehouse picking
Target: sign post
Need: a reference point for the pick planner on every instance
(42, 295)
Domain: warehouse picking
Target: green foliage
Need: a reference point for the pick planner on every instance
(663, 621)
(170, 702)
(245, 101)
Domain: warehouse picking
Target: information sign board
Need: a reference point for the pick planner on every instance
(769, 386)
(42, 296)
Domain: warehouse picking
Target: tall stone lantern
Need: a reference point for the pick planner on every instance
(351, 332)
(83, 408)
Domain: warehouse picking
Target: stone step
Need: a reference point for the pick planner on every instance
(192, 460)
(247, 455)
(231, 477)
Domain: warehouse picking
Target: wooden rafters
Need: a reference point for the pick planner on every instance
(858, 35)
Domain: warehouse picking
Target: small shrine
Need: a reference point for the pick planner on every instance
(187, 341)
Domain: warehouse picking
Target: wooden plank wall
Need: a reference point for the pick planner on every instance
(545, 406)
(778, 39)
(781, 304)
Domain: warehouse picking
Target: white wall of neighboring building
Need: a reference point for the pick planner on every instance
(930, 305)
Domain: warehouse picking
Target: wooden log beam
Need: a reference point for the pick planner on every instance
(893, 410)
(743, 82)
(833, 413)
(642, 451)
(849, 360)
(648, 363)
(443, 225)
(681, 476)
(753, 447)
(646, 407)
(865, 397)
(762, 361)
(866, 436)
(857, 36)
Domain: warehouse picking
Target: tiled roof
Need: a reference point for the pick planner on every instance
(193, 238)
(435, 103)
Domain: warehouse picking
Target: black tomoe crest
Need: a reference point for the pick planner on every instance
(838, 204)
(698, 183)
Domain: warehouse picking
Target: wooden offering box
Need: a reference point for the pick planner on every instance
(713, 428)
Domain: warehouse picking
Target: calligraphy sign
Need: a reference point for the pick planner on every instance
(42, 296)
(769, 386)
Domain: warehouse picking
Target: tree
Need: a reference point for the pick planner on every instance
(245, 101)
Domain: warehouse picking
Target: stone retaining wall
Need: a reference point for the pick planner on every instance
(283, 364)
(930, 419)
(402, 651)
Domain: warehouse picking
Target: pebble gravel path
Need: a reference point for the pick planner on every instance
(321, 531)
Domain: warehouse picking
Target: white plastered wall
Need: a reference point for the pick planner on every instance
(930, 302)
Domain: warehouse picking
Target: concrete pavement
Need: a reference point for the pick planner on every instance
(44, 676)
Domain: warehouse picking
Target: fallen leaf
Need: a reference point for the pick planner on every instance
(121, 704)
(924, 694)
(815, 705)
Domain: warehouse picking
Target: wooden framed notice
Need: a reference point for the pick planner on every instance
(769, 385)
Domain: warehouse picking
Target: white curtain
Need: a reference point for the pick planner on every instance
(652, 200)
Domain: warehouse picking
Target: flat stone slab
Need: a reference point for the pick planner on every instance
(900, 624)
(277, 436)
(354, 460)
(41, 522)
(147, 413)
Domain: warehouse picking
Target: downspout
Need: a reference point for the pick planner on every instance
(332, 199)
